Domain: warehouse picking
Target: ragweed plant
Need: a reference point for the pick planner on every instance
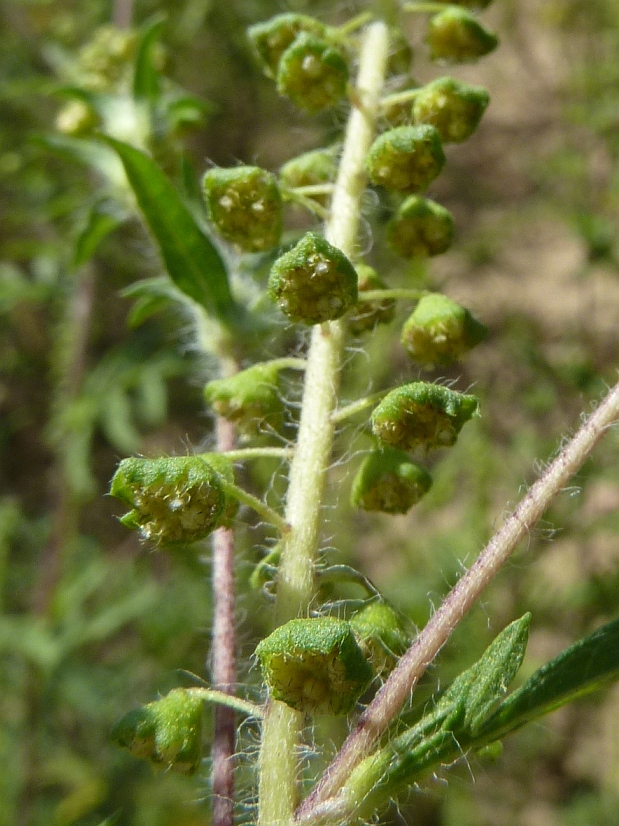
(355, 658)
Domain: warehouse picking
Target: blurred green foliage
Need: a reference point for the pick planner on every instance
(91, 624)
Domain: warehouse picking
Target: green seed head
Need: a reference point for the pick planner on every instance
(167, 733)
(389, 481)
(406, 159)
(177, 499)
(250, 398)
(271, 39)
(382, 635)
(422, 415)
(245, 206)
(456, 36)
(420, 228)
(315, 665)
(452, 107)
(312, 73)
(365, 315)
(439, 331)
(313, 282)
(311, 168)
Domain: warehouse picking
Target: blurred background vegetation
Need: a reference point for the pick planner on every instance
(91, 622)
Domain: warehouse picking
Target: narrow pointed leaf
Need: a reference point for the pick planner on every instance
(190, 257)
(147, 80)
(99, 225)
(495, 671)
(580, 669)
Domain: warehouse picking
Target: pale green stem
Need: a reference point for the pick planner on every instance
(356, 407)
(381, 712)
(399, 97)
(424, 8)
(355, 23)
(211, 695)
(315, 189)
(382, 295)
(282, 726)
(269, 514)
(242, 454)
(301, 199)
(288, 363)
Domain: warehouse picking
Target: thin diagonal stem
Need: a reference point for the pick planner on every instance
(374, 722)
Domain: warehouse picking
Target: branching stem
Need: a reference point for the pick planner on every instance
(397, 689)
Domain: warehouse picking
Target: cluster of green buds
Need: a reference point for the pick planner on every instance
(174, 500)
(245, 206)
(382, 634)
(439, 331)
(305, 58)
(422, 415)
(389, 481)
(455, 35)
(167, 732)
(313, 282)
(315, 665)
(251, 399)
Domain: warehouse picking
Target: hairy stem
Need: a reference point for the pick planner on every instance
(223, 657)
(282, 725)
(397, 689)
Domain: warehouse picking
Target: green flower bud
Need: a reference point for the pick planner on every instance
(176, 499)
(389, 481)
(313, 282)
(420, 228)
(452, 107)
(250, 398)
(245, 206)
(422, 415)
(455, 35)
(312, 74)
(382, 635)
(315, 665)
(365, 315)
(406, 159)
(272, 38)
(167, 733)
(439, 331)
(311, 169)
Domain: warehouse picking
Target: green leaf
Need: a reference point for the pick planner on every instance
(495, 671)
(152, 295)
(191, 259)
(100, 223)
(147, 80)
(580, 669)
